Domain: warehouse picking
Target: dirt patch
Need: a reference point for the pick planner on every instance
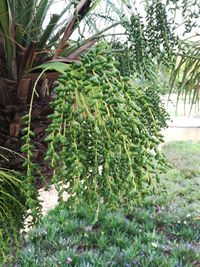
(49, 199)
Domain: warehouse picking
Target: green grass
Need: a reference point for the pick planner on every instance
(165, 232)
(185, 157)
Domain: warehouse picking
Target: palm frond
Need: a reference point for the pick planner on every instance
(185, 77)
(7, 29)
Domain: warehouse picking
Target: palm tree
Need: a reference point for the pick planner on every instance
(25, 43)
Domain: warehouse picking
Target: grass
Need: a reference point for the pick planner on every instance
(165, 232)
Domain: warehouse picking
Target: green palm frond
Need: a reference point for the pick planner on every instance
(7, 30)
(11, 193)
(185, 77)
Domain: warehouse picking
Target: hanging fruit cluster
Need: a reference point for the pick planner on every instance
(152, 40)
(137, 43)
(32, 205)
(161, 117)
(124, 56)
(104, 135)
(161, 39)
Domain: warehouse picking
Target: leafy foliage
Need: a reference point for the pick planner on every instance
(11, 196)
(117, 239)
(165, 231)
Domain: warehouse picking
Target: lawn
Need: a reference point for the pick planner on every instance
(164, 232)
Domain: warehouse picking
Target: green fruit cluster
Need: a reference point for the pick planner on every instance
(150, 41)
(160, 37)
(104, 136)
(32, 203)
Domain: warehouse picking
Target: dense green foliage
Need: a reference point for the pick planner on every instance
(142, 42)
(105, 132)
(117, 239)
(164, 232)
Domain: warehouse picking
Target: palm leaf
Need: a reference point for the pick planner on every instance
(48, 31)
(42, 11)
(185, 77)
(7, 28)
(79, 13)
(82, 49)
(56, 66)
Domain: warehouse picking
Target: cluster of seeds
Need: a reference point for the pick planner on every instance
(104, 135)
(138, 43)
(32, 203)
(150, 38)
(159, 34)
